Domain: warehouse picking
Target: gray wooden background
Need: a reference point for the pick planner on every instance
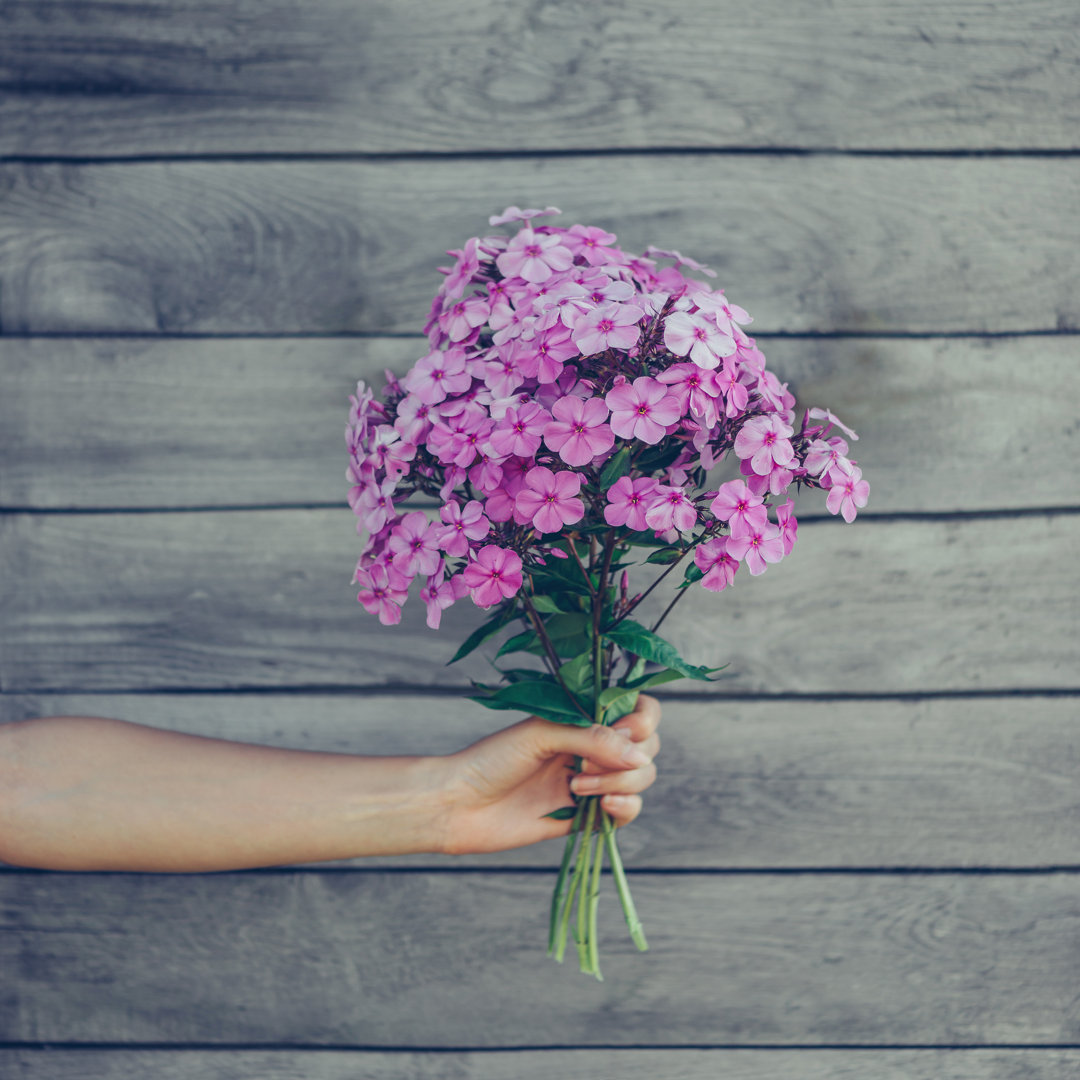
(216, 214)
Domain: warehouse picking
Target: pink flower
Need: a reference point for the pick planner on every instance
(628, 500)
(610, 326)
(543, 358)
(685, 333)
(824, 414)
(413, 545)
(495, 574)
(764, 441)
(462, 317)
(461, 524)
(382, 590)
(534, 256)
(757, 547)
(789, 526)
(468, 262)
(413, 420)
(548, 500)
(742, 511)
(716, 564)
(514, 213)
(501, 373)
(735, 394)
(438, 595)
(372, 504)
(591, 244)
(827, 459)
(642, 410)
(845, 495)
(670, 509)
(578, 432)
(696, 388)
(520, 430)
(437, 375)
(680, 260)
(457, 441)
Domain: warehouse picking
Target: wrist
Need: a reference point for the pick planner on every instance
(430, 783)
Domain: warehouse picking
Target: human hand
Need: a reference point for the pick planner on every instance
(501, 787)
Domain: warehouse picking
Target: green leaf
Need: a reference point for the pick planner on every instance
(617, 701)
(693, 573)
(541, 697)
(578, 673)
(559, 575)
(633, 637)
(564, 813)
(482, 633)
(615, 468)
(665, 556)
(644, 539)
(659, 457)
(526, 641)
(570, 633)
(545, 604)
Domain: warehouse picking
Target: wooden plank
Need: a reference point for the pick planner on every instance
(262, 599)
(945, 783)
(671, 1064)
(380, 960)
(189, 77)
(817, 243)
(145, 422)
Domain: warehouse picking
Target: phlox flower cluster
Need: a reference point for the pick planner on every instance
(571, 387)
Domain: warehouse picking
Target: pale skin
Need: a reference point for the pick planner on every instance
(89, 793)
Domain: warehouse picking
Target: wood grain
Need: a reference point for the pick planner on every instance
(670, 1064)
(165, 77)
(751, 785)
(262, 599)
(380, 960)
(117, 422)
(854, 244)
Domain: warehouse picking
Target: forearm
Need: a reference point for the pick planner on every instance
(93, 794)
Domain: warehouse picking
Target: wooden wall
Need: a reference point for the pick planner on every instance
(216, 214)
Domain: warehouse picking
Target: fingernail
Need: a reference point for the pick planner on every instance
(634, 755)
(585, 783)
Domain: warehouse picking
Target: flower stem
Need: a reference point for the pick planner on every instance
(594, 903)
(560, 884)
(575, 881)
(588, 842)
(637, 932)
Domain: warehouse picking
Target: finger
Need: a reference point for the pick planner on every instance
(651, 746)
(628, 782)
(611, 750)
(643, 721)
(622, 808)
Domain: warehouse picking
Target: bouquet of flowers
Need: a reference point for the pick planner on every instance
(567, 417)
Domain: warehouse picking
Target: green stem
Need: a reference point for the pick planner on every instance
(678, 596)
(671, 566)
(594, 904)
(560, 884)
(582, 925)
(637, 932)
(575, 881)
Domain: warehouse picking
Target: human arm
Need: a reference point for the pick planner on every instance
(87, 793)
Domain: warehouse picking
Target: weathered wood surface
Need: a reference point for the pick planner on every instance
(381, 960)
(669, 1064)
(862, 244)
(187, 77)
(752, 785)
(946, 424)
(262, 599)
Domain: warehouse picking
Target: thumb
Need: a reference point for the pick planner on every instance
(610, 749)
